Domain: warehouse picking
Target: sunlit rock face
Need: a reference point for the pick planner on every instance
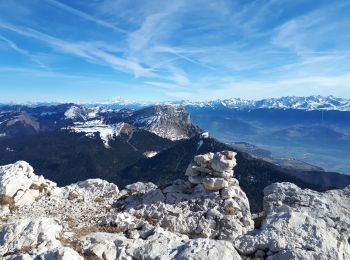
(301, 224)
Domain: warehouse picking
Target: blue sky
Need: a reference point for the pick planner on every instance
(60, 50)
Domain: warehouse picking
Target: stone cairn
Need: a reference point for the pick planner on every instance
(213, 171)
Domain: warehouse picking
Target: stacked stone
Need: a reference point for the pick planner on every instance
(213, 171)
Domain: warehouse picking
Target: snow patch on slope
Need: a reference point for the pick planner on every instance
(90, 128)
(150, 154)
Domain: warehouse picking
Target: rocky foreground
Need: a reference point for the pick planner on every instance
(206, 217)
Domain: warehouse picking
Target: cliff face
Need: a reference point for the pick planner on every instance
(204, 217)
(167, 121)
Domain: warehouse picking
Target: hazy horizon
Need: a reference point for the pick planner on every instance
(123, 100)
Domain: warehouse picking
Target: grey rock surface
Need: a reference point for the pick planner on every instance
(206, 217)
(301, 224)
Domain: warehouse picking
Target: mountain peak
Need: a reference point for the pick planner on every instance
(168, 121)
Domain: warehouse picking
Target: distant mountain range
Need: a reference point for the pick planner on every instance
(288, 102)
(301, 103)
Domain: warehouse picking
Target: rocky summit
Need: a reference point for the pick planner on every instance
(206, 216)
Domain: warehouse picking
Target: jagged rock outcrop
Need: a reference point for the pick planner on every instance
(206, 217)
(20, 186)
(198, 209)
(142, 221)
(301, 224)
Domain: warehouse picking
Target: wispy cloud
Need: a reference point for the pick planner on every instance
(85, 50)
(36, 73)
(315, 32)
(164, 85)
(181, 54)
(13, 46)
(153, 28)
(86, 16)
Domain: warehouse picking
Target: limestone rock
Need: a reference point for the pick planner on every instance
(161, 244)
(301, 224)
(203, 159)
(213, 171)
(207, 249)
(98, 186)
(223, 161)
(91, 188)
(18, 181)
(34, 235)
(123, 222)
(60, 253)
(15, 177)
(140, 187)
(206, 217)
(193, 208)
(230, 192)
(214, 184)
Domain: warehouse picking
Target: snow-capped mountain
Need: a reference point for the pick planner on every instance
(290, 102)
(307, 103)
